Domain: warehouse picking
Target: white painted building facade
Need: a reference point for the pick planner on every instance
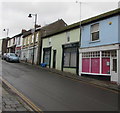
(0, 47)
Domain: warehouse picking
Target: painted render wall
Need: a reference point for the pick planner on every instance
(0, 46)
(27, 48)
(119, 28)
(56, 43)
(108, 33)
(119, 51)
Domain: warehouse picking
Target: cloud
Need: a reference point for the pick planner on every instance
(15, 14)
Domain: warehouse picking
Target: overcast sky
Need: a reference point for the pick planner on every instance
(14, 15)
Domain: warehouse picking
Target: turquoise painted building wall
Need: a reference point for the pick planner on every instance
(119, 28)
(102, 54)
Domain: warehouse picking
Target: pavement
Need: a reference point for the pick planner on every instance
(105, 84)
(12, 102)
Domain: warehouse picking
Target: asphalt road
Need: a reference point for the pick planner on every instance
(52, 92)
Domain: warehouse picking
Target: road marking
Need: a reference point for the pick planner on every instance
(30, 103)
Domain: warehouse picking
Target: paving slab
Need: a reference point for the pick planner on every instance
(12, 102)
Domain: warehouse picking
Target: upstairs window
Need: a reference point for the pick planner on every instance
(13, 40)
(19, 40)
(37, 37)
(27, 42)
(68, 39)
(9, 42)
(32, 41)
(95, 32)
(49, 41)
(68, 36)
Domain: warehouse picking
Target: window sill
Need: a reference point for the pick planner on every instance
(68, 67)
(94, 41)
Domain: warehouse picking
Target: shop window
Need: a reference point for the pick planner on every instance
(95, 32)
(24, 54)
(91, 54)
(91, 62)
(115, 65)
(114, 53)
(30, 54)
(70, 57)
(95, 65)
(106, 54)
(85, 64)
(66, 59)
(73, 56)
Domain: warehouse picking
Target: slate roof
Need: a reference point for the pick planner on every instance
(48, 29)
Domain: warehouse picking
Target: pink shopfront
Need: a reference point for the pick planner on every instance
(104, 62)
(91, 62)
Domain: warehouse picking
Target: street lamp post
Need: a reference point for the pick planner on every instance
(119, 4)
(80, 3)
(35, 15)
(80, 29)
(7, 31)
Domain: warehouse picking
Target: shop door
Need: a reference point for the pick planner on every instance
(54, 58)
(114, 66)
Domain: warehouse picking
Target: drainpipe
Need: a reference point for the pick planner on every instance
(39, 48)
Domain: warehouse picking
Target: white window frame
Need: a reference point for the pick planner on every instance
(32, 38)
(24, 41)
(91, 32)
(37, 35)
(97, 54)
(49, 41)
(68, 36)
(27, 39)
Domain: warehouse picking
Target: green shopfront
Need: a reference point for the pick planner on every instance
(70, 57)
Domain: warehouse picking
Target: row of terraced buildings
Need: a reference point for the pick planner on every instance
(87, 48)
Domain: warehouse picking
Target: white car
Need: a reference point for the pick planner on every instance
(12, 57)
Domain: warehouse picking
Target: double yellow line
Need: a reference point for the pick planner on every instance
(30, 103)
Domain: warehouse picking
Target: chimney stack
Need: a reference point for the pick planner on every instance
(23, 30)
